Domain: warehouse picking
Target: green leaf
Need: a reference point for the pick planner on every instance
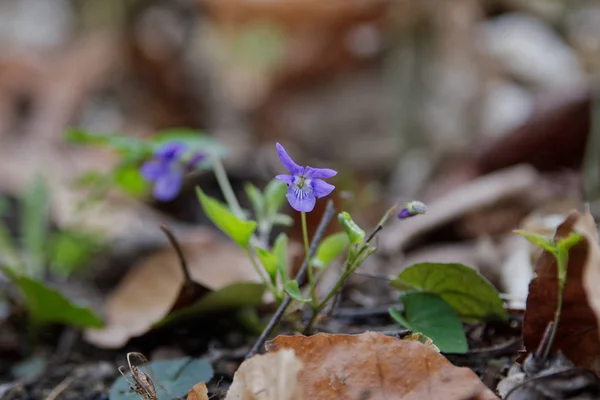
(238, 230)
(257, 199)
(282, 219)
(275, 192)
(430, 315)
(71, 250)
(129, 179)
(46, 304)
(35, 226)
(194, 140)
(329, 249)
(544, 242)
(468, 293)
(230, 297)
(126, 145)
(293, 290)
(280, 251)
(269, 262)
(355, 234)
(172, 378)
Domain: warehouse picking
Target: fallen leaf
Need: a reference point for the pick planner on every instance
(591, 269)
(198, 392)
(577, 334)
(272, 376)
(147, 293)
(375, 366)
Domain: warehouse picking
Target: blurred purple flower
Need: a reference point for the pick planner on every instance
(305, 184)
(168, 168)
(411, 209)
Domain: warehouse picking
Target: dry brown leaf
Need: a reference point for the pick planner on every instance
(272, 376)
(147, 293)
(198, 392)
(577, 335)
(517, 183)
(375, 366)
(591, 270)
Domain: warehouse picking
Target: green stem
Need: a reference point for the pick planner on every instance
(561, 289)
(259, 271)
(311, 278)
(226, 188)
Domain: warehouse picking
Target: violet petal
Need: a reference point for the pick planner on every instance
(319, 173)
(168, 185)
(321, 188)
(287, 161)
(302, 203)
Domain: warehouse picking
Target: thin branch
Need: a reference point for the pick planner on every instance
(175, 243)
(300, 277)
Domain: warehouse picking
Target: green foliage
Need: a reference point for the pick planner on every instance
(173, 377)
(134, 151)
(559, 249)
(238, 230)
(355, 234)
(34, 226)
(270, 263)
(280, 251)
(329, 249)
(230, 297)
(46, 304)
(430, 315)
(464, 289)
(70, 250)
(293, 290)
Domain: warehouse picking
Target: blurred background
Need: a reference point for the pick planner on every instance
(406, 98)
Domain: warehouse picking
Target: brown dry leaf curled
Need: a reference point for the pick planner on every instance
(374, 366)
(577, 335)
(198, 392)
(272, 376)
(591, 270)
(148, 291)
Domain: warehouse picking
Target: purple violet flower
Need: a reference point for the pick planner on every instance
(305, 184)
(168, 168)
(411, 209)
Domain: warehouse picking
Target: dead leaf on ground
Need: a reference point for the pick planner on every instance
(149, 290)
(577, 335)
(519, 184)
(198, 392)
(591, 269)
(375, 366)
(272, 376)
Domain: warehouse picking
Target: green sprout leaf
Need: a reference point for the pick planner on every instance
(280, 251)
(125, 145)
(355, 234)
(430, 315)
(544, 242)
(293, 290)
(238, 230)
(230, 297)
(472, 296)
(45, 304)
(329, 249)
(257, 199)
(173, 377)
(270, 262)
(282, 219)
(275, 192)
(127, 176)
(35, 226)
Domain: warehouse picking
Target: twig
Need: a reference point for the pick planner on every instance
(325, 219)
(61, 387)
(175, 243)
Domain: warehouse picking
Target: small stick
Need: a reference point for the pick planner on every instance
(325, 219)
(175, 243)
